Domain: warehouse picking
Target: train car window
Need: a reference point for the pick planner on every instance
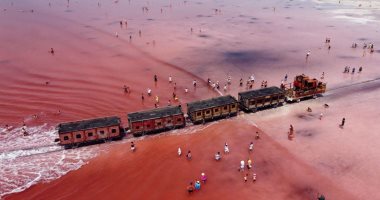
(78, 136)
(66, 138)
(216, 110)
(148, 126)
(101, 132)
(208, 112)
(169, 121)
(159, 124)
(137, 127)
(233, 106)
(90, 134)
(225, 107)
(179, 119)
(199, 114)
(113, 130)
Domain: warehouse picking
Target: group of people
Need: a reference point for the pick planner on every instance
(188, 155)
(249, 84)
(264, 84)
(347, 69)
(249, 164)
(369, 46)
(156, 98)
(218, 156)
(197, 185)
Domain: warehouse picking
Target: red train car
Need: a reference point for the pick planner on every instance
(156, 120)
(89, 131)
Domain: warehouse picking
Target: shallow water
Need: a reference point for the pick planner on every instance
(85, 76)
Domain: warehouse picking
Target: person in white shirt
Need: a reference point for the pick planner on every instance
(242, 165)
(218, 156)
(179, 151)
(226, 149)
(251, 146)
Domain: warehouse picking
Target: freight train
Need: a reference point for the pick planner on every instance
(167, 118)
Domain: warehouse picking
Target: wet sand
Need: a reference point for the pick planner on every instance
(90, 66)
(346, 155)
(155, 171)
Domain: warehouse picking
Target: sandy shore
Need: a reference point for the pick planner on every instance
(155, 171)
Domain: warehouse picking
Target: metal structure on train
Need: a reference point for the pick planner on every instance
(303, 87)
(171, 117)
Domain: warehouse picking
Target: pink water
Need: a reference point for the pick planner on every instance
(90, 66)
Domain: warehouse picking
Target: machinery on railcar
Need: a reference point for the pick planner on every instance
(303, 87)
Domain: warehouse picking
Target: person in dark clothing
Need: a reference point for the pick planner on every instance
(321, 197)
(190, 188)
(343, 121)
(188, 155)
(155, 78)
(133, 148)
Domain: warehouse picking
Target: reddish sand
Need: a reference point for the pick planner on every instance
(155, 171)
(90, 66)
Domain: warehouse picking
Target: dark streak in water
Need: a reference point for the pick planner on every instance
(306, 133)
(301, 191)
(200, 16)
(347, 57)
(2, 62)
(249, 57)
(306, 117)
(203, 36)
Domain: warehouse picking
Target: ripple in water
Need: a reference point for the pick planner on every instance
(27, 160)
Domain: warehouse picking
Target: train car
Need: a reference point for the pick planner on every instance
(156, 120)
(89, 131)
(254, 100)
(303, 87)
(212, 109)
